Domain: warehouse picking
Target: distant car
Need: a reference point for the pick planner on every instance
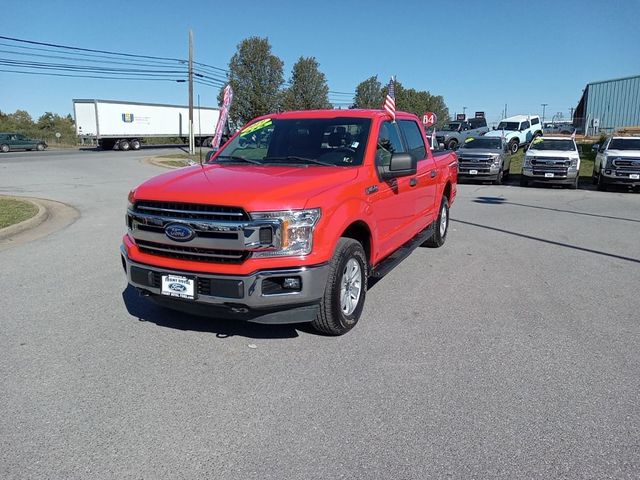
(562, 128)
(518, 130)
(483, 158)
(455, 133)
(552, 160)
(17, 141)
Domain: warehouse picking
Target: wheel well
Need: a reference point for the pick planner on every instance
(447, 191)
(360, 231)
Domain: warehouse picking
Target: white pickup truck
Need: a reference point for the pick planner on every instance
(617, 162)
(552, 160)
(518, 130)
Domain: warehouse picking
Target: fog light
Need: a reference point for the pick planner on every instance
(292, 283)
(607, 172)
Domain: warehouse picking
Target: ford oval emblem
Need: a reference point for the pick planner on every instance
(179, 232)
(177, 287)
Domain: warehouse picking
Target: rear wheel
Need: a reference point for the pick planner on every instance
(40, 147)
(135, 144)
(346, 289)
(4, 147)
(441, 226)
(124, 145)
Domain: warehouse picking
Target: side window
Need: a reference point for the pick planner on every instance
(535, 121)
(388, 143)
(524, 125)
(415, 140)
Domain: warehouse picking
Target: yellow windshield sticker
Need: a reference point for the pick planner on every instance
(470, 139)
(537, 141)
(256, 126)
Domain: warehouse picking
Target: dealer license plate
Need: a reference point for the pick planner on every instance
(634, 176)
(473, 172)
(548, 175)
(178, 286)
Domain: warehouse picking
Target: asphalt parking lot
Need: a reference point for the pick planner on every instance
(511, 352)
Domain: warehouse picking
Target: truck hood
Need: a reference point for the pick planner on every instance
(254, 188)
(498, 133)
(552, 153)
(623, 153)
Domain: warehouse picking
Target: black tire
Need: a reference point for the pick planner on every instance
(441, 226)
(574, 185)
(124, 145)
(40, 147)
(523, 181)
(499, 178)
(135, 144)
(107, 144)
(505, 175)
(337, 317)
(513, 146)
(452, 144)
(4, 148)
(601, 185)
(594, 177)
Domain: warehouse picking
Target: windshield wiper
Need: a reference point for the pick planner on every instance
(296, 158)
(238, 158)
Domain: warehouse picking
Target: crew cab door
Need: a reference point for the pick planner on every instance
(423, 194)
(393, 209)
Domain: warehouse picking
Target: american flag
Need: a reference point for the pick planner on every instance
(390, 102)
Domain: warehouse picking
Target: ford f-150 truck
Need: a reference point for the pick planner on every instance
(290, 218)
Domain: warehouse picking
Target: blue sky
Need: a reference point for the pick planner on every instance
(478, 55)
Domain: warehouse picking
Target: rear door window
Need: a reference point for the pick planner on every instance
(415, 139)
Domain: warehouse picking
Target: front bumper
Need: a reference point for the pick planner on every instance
(567, 178)
(255, 297)
(620, 178)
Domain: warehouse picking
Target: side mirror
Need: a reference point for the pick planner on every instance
(595, 147)
(401, 165)
(495, 128)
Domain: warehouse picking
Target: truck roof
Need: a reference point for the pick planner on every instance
(353, 113)
(518, 118)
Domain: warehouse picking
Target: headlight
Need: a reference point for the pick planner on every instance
(296, 231)
(610, 160)
(496, 160)
(574, 162)
(527, 161)
(131, 199)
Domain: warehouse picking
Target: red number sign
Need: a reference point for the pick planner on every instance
(429, 119)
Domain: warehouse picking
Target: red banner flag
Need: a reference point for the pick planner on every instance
(224, 115)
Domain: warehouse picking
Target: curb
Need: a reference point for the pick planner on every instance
(159, 163)
(27, 224)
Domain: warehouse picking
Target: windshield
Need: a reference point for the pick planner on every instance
(514, 126)
(317, 141)
(451, 127)
(483, 142)
(565, 145)
(625, 144)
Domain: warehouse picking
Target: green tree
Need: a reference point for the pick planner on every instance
(308, 90)
(256, 77)
(419, 102)
(368, 94)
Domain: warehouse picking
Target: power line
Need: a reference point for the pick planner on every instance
(92, 76)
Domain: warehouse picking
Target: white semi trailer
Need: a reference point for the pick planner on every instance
(125, 125)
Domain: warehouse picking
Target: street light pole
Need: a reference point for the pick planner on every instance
(464, 111)
(544, 108)
(191, 142)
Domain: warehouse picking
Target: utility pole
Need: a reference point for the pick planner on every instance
(544, 108)
(191, 142)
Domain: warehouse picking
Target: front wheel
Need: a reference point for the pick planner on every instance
(513, 146)
(499, 178)
(346, 289)
(40, 147)
(452, 144)
(601, 185)
(441, 226)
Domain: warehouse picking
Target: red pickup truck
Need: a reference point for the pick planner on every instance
(288, 221)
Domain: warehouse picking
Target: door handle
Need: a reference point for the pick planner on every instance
(434, 173)
(413, 182)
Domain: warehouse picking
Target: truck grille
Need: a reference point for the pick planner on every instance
(192, 253)
(477, 162)
(627, 165)
(557, 165)
(191, 211)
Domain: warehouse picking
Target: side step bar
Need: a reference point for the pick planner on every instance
(389, 263)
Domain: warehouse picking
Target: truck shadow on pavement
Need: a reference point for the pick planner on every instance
(145, 310)
(504, 201)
